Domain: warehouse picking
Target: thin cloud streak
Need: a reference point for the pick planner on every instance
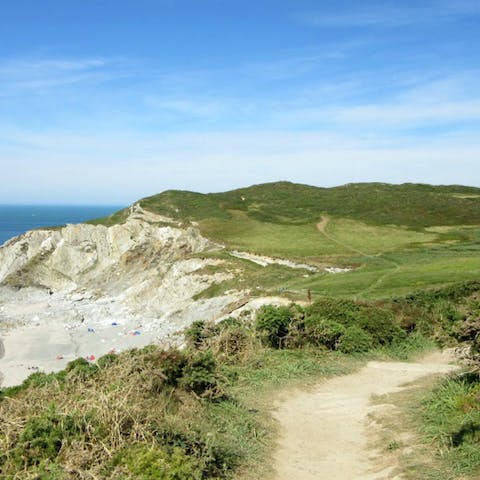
(390, 15)
(41, 76)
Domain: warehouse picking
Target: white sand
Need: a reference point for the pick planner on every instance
(47, 332)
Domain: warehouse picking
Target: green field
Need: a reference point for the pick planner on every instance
(397, 238)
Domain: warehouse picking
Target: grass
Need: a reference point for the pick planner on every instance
(113, 219)
(450, 419)
(291, 241)
(204, 413)
(433, 433)
(412, 205)
(399, 238)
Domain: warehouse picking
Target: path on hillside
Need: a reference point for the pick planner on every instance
(324, 432)
(322, 228)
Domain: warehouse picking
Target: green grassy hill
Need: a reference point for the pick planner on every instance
(399, 238)
(411, 205)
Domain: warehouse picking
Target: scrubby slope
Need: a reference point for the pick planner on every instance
(412, 205)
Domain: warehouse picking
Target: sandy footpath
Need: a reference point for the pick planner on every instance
(324, 432)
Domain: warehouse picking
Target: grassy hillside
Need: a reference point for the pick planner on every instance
(411, 205)
(398, 237)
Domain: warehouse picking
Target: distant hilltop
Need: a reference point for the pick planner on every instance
(410, 204)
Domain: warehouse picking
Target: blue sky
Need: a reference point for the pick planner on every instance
(107, 101)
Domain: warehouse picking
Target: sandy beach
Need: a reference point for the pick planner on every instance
(46, 332)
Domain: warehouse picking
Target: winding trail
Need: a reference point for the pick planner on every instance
(325, 432)
(322, 228)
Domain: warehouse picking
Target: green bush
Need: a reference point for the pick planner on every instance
(355, 340)
(35, 380)
(141, 462)
(194, 335)
(214, 457)
(81, 369)
(199, 333)
(43, 437)
(230, 322)
(167, 366)
(324, 332)
(273, 324)
(335, 310)
(199, 375)
(380, 324)
(107, 360)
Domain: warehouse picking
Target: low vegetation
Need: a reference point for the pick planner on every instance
(197, 413)
(412, 205)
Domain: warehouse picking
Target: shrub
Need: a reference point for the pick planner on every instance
(273, 324)
(141, 462)
(229, 322)
(168, 367)
(107, 360)
(199, 332)
(336, 310)
(355, 340)
(200, 377)
(43, 436)
(81, 369)
(321, 331)
(194, 335)
(35, 380)
(214, 457)
(233, 342)
(380, 324)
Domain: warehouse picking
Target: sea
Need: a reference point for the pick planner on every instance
(17, 219)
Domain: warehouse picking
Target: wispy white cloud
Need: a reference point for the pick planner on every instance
(41, 75)
(445, 101)
(393, 14)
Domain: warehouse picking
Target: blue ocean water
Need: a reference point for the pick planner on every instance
(17, 219)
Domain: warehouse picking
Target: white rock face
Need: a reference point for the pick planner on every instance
(86, 289)
(264, 261)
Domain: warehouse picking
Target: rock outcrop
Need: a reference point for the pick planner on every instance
(89, 289)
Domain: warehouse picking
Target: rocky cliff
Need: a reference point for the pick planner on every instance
(89, 289)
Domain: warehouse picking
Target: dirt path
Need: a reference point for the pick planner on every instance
(324, 432)
(322, 228)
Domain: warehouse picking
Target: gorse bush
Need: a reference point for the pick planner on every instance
(44, 435)
(142, 462)
(380, 324)
(326, 322)
(230, 340)
(274, 324)
(323, 331)
(199, 375)
(355, 340)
